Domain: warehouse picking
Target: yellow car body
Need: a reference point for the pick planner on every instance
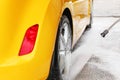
(16, 16)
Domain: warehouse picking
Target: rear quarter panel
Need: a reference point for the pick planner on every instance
(16, 17)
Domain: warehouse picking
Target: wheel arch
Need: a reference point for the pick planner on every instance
(66, 12)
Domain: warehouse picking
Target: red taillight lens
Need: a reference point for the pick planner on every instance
(29, 40)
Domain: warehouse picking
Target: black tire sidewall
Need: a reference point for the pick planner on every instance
(54, 70)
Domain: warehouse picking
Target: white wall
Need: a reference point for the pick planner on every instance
(106, 8)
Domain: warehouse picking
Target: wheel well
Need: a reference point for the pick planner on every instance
(68, 14)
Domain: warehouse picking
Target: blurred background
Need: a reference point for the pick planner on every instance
(106, 8)
(104, 61)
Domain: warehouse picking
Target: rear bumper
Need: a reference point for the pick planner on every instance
(23, 69)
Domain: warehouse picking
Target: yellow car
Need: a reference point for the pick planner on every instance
(37, 37)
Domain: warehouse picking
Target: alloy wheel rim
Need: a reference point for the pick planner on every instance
(64, 50)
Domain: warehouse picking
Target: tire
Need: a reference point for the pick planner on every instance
(60, 65)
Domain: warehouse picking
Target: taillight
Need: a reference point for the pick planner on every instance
(29, 40)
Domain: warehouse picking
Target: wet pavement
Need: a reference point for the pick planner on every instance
(100, 57)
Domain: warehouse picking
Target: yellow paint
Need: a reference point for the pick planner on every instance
(16, 16)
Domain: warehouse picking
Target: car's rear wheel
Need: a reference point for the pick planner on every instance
(62, 57)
